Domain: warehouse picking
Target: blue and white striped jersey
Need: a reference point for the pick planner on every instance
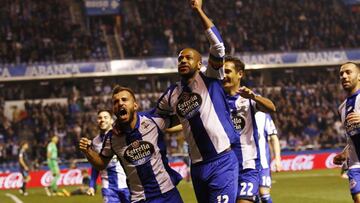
(111, 177)
(201, 106)
(266, 128)
(142, 153)
(352, 104)
(243, 117)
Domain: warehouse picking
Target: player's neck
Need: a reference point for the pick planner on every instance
(354, 90)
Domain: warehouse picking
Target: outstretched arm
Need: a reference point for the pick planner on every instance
(262, 103)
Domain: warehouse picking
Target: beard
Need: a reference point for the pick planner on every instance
(190, 74)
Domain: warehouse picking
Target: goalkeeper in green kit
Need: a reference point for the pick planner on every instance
(52, 157)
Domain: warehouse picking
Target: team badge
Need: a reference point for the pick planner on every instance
(139, 152)
(188, 105)
(238, 120)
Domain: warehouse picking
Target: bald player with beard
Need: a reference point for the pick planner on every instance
(349, 112)
(199, 102)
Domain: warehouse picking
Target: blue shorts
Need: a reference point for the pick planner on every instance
(248, 184)
(265, 177)
(216, 180)
(113, 195)
(172, 196)
(354, 180)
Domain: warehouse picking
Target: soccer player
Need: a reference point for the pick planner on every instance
(52, 156)
(199, 102)
(52, 161)
(244, 103)
(24, 166)
(349, 112)
(113, 178)
(137, 141)
(267, 133)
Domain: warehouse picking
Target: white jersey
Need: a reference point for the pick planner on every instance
(266, 128)
(243, 117)
(142, 153)
(352, 104)
(113, 176)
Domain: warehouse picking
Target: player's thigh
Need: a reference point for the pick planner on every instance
(223, 182)
(248, 185)
(110, 195)
(265, 178)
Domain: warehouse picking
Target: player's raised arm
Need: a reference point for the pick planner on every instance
(217, 48)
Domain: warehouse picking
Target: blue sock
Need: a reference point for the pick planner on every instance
(257, 199)
(266, 198)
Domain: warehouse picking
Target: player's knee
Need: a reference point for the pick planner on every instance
(264, 191)
(266, 198)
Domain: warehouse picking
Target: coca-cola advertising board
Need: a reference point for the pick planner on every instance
(40, 178)
(306, 161)
(67, 177)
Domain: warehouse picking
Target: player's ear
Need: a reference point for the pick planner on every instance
(241, 74)
(136, 106)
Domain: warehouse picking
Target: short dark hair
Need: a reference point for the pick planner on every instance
(119, 88)
(105, 110)
(239, 65)
(351, 62)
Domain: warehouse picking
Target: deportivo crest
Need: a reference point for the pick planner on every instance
(188, 104)
(139, 152)
(238, 120)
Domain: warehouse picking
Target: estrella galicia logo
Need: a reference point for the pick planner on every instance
(188, 104)
(352, 128)
(238, 120)
(139, 152)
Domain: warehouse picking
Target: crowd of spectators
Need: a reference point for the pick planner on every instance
(306, 116)
(43, 31)
(164, 27)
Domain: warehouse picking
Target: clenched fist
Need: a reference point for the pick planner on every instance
(196, 4)
(84, 144)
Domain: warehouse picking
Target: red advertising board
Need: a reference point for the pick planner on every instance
(74, 177)
(68, 177)
(307, 161)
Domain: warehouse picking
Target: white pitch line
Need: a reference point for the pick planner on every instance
(14, 198)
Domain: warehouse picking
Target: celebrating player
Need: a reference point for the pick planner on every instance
(113, 178)
(137, 140)
(244, 103)
(200, 104)
(350, 116)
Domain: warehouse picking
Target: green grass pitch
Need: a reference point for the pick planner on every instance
(318, 186)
